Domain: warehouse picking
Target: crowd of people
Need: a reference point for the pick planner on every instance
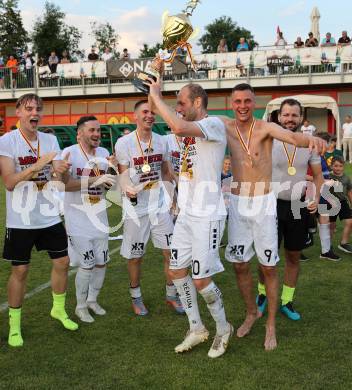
(172, 192)
(12, 68)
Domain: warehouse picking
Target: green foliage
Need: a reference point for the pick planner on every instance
(149, 52)
(105, 36)
(51, 33)
(223, 27)
(13, 36)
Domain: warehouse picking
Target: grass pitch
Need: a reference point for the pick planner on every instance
(121, 351)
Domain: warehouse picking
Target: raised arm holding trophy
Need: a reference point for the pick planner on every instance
(176, 30)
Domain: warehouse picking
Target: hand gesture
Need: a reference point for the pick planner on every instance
(62, 166)
(44, 160)
(318, 145)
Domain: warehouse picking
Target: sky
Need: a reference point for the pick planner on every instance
(139, 22)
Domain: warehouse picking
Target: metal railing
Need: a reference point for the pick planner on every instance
(21, 78)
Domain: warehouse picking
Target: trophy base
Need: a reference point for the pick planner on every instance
(141, 79)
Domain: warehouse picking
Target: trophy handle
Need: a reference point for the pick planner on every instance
(188, 46)
(172, 57)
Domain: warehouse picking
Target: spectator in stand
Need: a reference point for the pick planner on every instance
(12, 64)
(242, 45)
(65, 58)
(328, 40)
(347, 139)
(344, 40)
(107, 55)
(307, 128)
(42, 62)
(222, 47)
(93, 56)
(280, 41)
(125, 54)
(311, 41)
(29, 62)
(2, 72)
(299, 43)
(240, 67)
(53, 60)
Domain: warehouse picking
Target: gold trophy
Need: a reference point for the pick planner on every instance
(176, 30)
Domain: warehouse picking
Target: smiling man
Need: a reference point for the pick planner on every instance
(143, 162)
(252, 209)
(27, 157)
(85, 195)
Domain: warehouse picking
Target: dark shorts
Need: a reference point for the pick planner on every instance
(20, 242)
(344, 213)
(293, 232)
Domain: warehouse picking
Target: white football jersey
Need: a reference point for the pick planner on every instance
(173, 151)
(199, 190)
(85, 210)
(29, 205)
(128, 153)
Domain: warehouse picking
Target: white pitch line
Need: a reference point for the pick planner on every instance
(46, 285)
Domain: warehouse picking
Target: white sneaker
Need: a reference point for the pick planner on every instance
(220, 344)
(83, 314)
(192, 339)
(96, 308)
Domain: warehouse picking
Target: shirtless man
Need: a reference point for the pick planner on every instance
(252, 210)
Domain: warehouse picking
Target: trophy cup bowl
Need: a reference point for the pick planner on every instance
(176, 30)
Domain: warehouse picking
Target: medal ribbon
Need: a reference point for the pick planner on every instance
(95, 170)
(244, 145)
(290, 159)
(36, 153)
(145, 158)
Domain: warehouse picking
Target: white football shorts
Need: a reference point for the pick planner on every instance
(136, 233)
(252, 221)
(86, 253)
(195, 243)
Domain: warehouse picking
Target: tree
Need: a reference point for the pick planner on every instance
(105, 36)
(13, 36)
(224, 27)
(147, 51)
(51, 33)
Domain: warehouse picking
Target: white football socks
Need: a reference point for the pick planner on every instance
(325, 239)
(96, 283)
(212, 296)
(188, 296)
(82, 281)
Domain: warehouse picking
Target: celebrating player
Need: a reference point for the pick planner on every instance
(199, 226)
(252, 211)
(290, 165)
(26, 156)
(142, 159)
(85, 215)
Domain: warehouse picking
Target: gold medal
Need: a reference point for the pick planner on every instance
(146, 168)
(291, 171)
(92, 165)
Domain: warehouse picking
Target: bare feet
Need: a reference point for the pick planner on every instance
(270, 338)
(246, 327)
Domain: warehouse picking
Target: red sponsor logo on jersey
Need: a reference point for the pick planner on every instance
(189, 141)
(151, 159)
(84, 172)
(27, 160)
(175, 154)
